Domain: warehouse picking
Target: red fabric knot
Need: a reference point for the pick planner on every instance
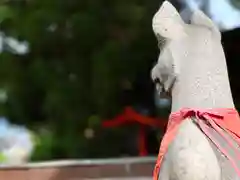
(201, 114)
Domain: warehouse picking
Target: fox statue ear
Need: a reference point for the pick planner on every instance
(201, 19)
(167, 22)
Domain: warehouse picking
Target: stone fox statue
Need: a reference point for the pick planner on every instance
(203, 134)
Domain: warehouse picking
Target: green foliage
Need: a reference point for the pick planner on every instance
(5, 12)
(236, 3)
(80, 51)
(44, 145)
(2, 158)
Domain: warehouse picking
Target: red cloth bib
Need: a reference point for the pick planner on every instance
(209, 120)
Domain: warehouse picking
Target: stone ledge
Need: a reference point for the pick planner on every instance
(82, 162)
(127, 168)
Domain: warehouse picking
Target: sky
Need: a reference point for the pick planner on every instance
(226, 16)
(13, 45)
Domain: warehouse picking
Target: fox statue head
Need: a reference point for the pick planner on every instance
(180, 43)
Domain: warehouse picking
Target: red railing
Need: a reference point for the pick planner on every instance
(129, 115)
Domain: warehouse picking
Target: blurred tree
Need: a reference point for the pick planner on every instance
(236, 3)
(80, 53)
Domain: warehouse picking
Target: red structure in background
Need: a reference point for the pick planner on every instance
(129, 115)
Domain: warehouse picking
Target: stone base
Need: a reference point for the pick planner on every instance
(122, 168)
